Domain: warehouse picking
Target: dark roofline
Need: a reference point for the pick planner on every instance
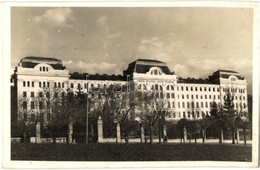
(84, 76)
(40, 58)
(149, 60)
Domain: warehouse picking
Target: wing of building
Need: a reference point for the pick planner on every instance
(186, 97)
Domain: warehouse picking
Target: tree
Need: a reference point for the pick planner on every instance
(153, 110)
(216, 118)
(230, 114)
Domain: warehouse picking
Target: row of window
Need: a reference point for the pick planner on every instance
(232, 90)
(44, 69)
(28, 84)
(42, 95)
(182, 88)
(42, 84)
(190, 105)
(193, 114)
(32, 106)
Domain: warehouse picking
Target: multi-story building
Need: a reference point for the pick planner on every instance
(189, 97)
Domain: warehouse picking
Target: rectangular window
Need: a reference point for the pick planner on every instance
(201, 96)
(32, 83)
(55, 94)
(59, 85)
(209, 88)
(40, 105)
(172, 95)
(40, 84)
(40, 94)
(168, 95)
(179, 105)
(173, 104)
(205, 88)
(24, 105)
(32, 105)
(196, 89)
(169, 104)
(205, 96)
(44, 84)
(24, 83)
(192, 104)
(213, 88)
(201, 104)
(181, 88)
(48, 84)
(71, 85)
(192, 96)
(32, 94)
(25, 116)
(187, 89)
(24, 94)
(28, 83)
(48, 94)
(62, 85)
(209, 96)
(218, 97)
(188, 105)
(182, 96)
(184, 114)
(206, 104)
(183, 104)
(191, 88)
(187, 96)
(200, 88)
(196, 96)
(197, 104)
(55, 84)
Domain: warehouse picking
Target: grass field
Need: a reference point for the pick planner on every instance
(131, 152)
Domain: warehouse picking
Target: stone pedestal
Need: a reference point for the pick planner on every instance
(221, 136)
(118, 133)
(38, 132)
(238, 137)
(184, 134)
(204, 135)
(142, 134)
(100, 130)
(70, 132)
(164, 131)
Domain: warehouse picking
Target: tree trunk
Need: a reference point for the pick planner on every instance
(244, 130)
(221, 136)
(70, 131)
(151, 134)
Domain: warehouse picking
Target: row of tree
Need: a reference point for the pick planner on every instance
(60, 110)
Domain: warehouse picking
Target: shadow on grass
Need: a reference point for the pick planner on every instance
(131, 152)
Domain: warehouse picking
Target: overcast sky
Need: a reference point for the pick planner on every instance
(194, 42)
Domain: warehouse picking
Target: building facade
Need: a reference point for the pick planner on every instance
(187, 98)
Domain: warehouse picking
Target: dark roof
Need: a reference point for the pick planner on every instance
(225, 74)
(194, 81)
(32, 61)
(227, 71)
(84, 76)
(144, 65)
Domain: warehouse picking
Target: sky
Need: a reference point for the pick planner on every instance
(194, 42)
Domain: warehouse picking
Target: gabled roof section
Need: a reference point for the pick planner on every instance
(32, 61)
(144, 65)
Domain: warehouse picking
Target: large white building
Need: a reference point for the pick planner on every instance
(189, 98)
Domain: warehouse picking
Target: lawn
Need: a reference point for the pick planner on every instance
(131, 152)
